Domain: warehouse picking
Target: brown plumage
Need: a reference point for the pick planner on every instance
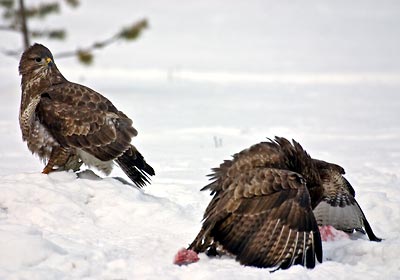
(67, 124)
(262, 208)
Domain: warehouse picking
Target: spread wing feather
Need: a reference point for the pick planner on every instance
(264, 217)
(339, 207)
(259, 155)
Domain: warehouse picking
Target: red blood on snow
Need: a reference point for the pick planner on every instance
(329, 233)
(185, 256)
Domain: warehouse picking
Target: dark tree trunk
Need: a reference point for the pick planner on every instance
(24, 25)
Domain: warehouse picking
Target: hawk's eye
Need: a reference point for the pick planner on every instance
(38, 59)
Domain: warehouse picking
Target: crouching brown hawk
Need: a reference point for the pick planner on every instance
(262, 207)
(67, 124)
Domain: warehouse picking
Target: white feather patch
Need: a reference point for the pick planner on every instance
(89, 160)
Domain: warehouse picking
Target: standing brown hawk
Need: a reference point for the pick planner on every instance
(262, 209)
(67, 124)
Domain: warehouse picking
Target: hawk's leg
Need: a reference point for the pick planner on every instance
(73, 163)
(59, 156)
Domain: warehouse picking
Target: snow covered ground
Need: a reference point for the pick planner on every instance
(206, 81)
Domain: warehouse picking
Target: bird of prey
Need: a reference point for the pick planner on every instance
(68, 124)
(262, 206)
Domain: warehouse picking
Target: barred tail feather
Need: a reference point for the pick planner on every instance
(135, 167)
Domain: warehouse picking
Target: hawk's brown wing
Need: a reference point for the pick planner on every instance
(82, 118)
(262, 154)
(339, 207)
(264, 218)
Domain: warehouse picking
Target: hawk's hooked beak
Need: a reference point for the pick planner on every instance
(49, 62)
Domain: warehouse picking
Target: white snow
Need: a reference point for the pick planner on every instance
(206, 81)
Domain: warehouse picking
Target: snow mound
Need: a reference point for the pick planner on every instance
(58, 225)
(24, 246)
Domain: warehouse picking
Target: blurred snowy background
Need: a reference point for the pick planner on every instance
(207, 79)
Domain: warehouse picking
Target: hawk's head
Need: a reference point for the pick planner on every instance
(35, 59)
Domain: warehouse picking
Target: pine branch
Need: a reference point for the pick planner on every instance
(8, 52)
(8, 28)
(133, 32)
(85, 52)
(85, 55)
(8, 4)
(72, 3)
(129, 33)
(58, 34)
(42, 10)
